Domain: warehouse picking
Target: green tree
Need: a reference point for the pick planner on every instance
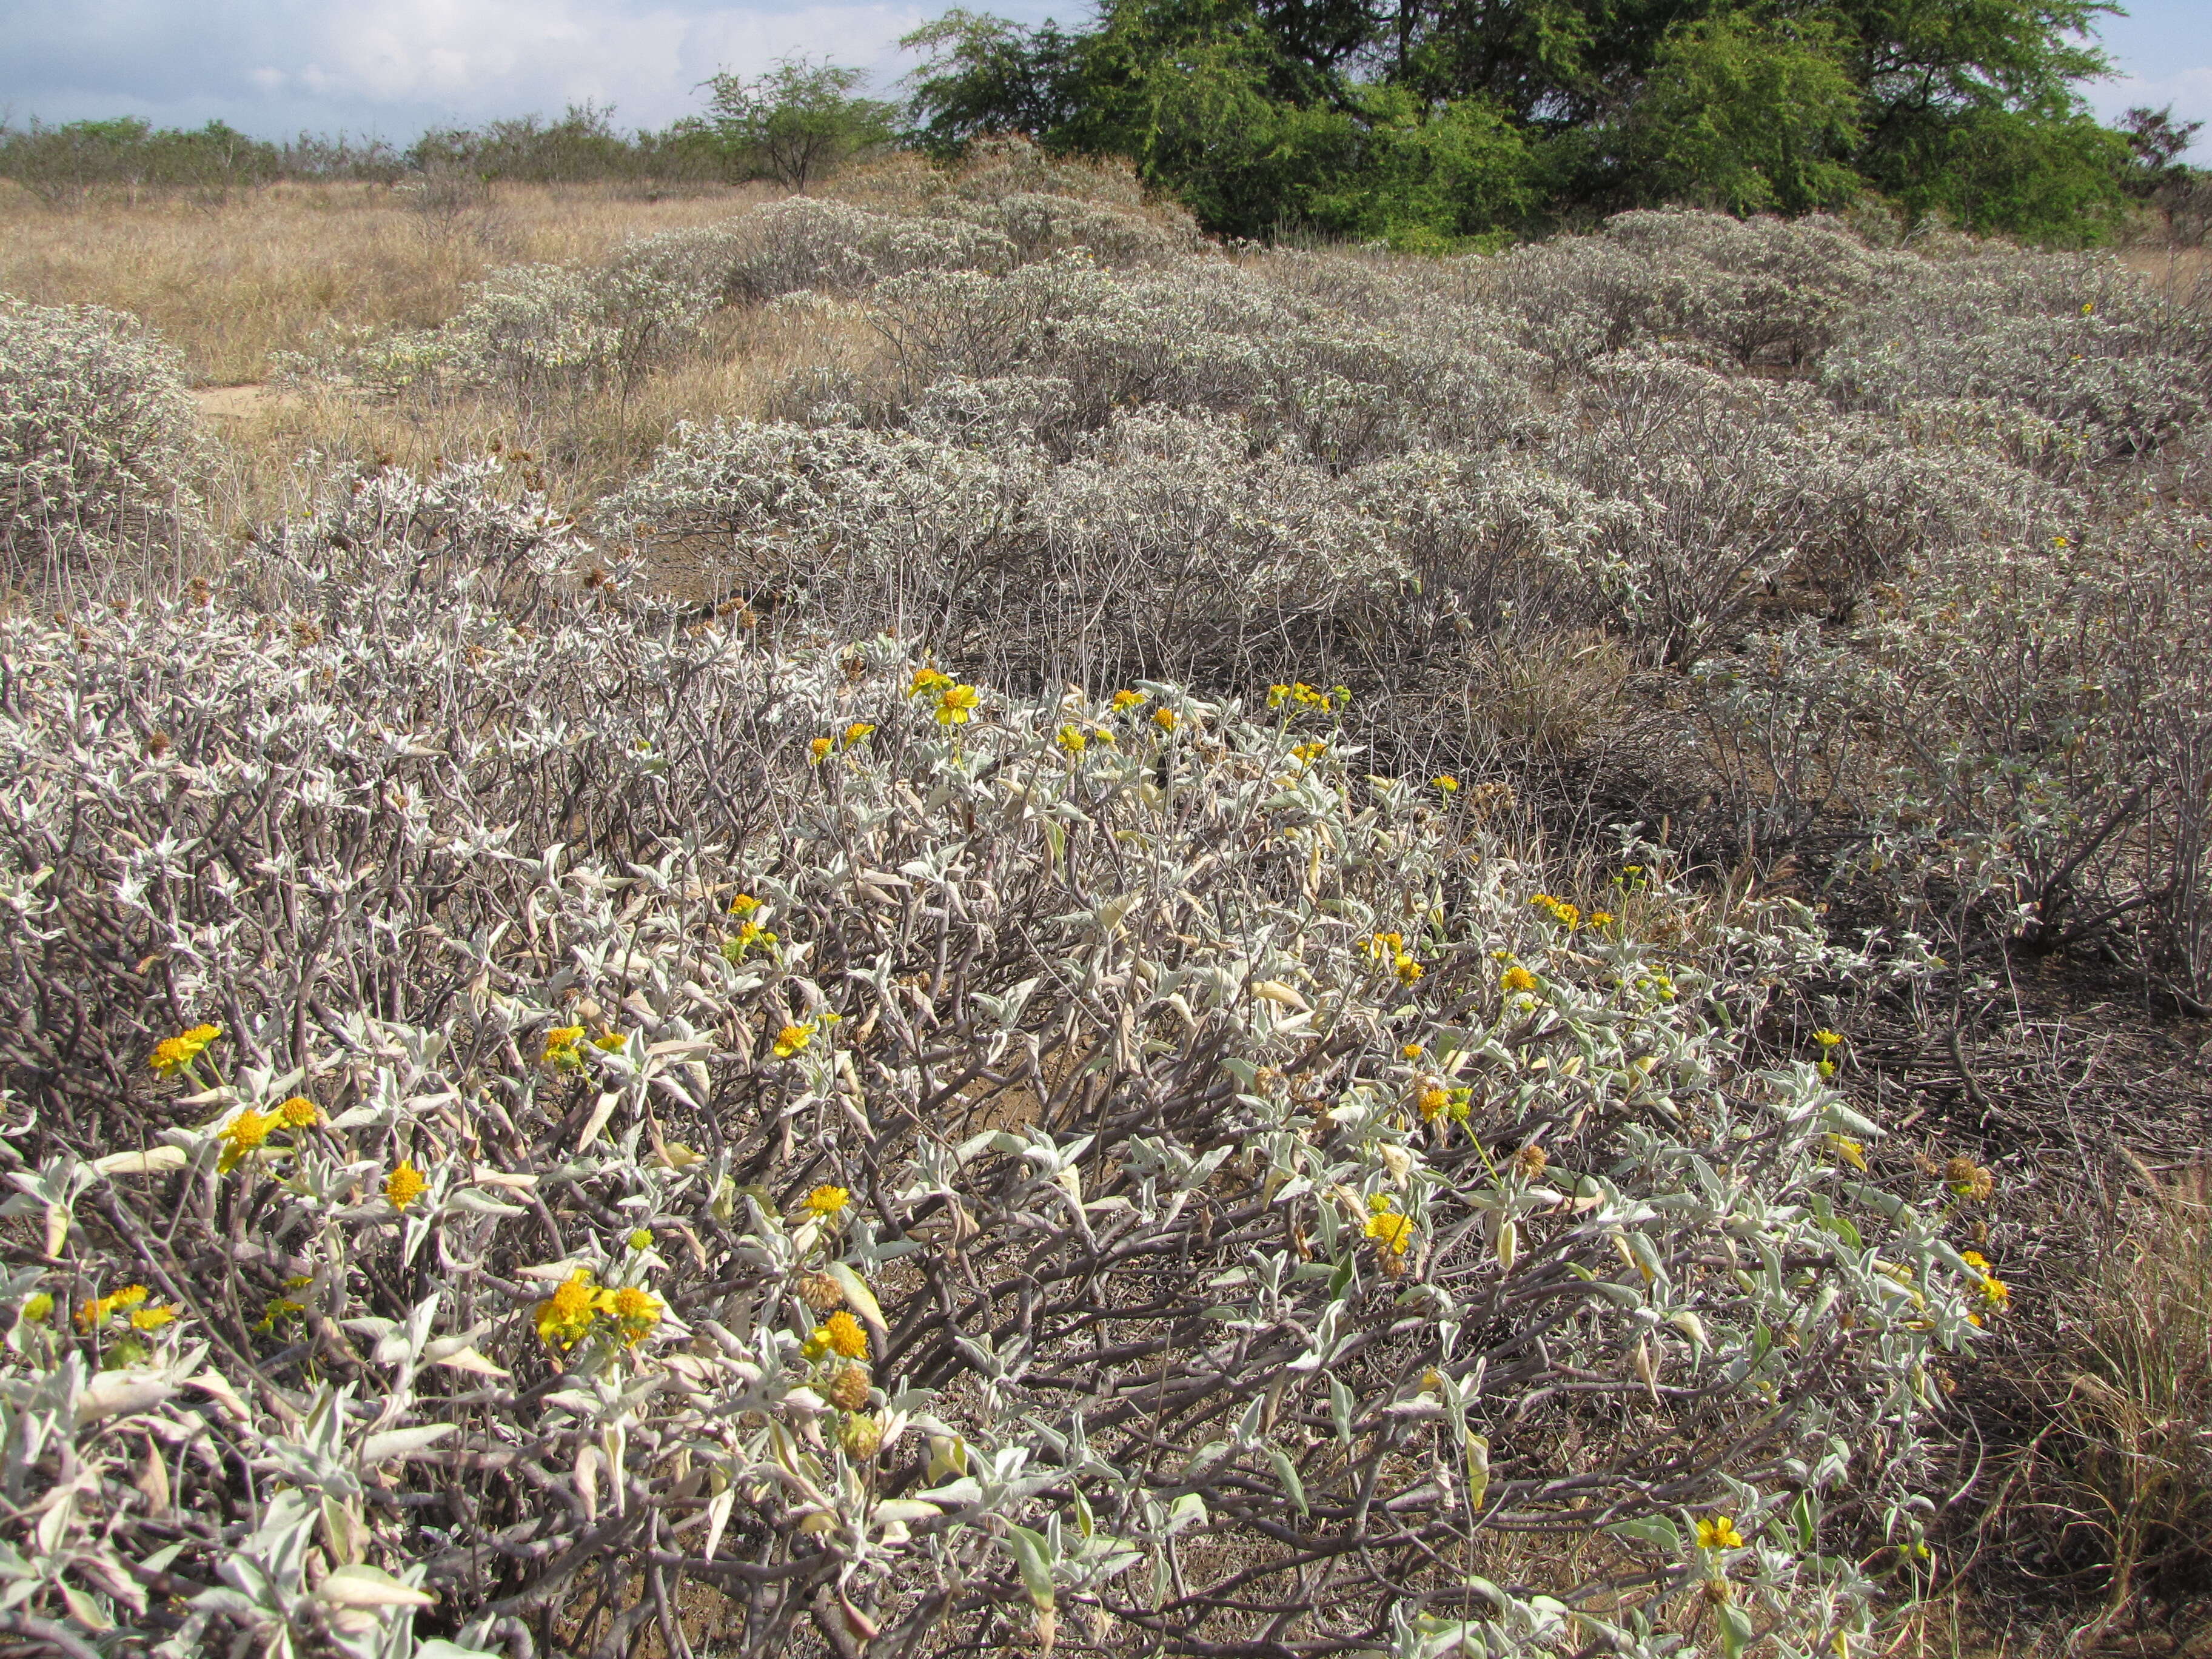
(798, 121)
(1747, 117)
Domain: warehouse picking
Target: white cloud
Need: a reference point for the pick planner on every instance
(275, 65)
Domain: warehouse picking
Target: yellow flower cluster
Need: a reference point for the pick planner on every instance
(1071, 739)
(826, 1201)
(1517, 978)
(840, 1334)
(955, 705)
(1165, 719)
(574, 1309)
(129, 1300)
(1436, 1101)
(1991, 1293)
(1125, 701)
(1307, 753)
(1305, 697)
(176, 1054)
(1567, 915)
(1391, 948)
(1829, 1042)
(792, 1039)
(1447, 783)
(1392, 1233)
(562, 1048)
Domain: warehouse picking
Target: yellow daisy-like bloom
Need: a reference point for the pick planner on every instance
(1995, 1295)
(827, 1201)
(561, 1048)
(1517, 978)
(792, 1039)
(299, 1112)
(96, 1311)
(1850, 1151)
(637, 1311)
(1433, 1104)
(1278, 696)
(1391, 1231)
(612, 1043)
(1602, 918)
(1305, 753)
(243, 1133)
(1407, 968)
(404, 1185)
(744, 905)
(1125, 701)
(1827, 1039)
(1071, 739)
(819, 749)
(564, 1318)
(173, 1055)
(130, 1295)
(1165, 719)
(856, 731)
(152, 1319)
(1719, 1533)
(957, 705)
(844, 1335)
(1447, 783)
(928, 681)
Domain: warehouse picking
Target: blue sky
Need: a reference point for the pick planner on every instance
(392, 67)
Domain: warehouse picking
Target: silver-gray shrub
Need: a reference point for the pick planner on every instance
(101, 450)
(1231, 1178)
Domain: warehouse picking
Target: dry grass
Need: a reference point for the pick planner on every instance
(232, 283)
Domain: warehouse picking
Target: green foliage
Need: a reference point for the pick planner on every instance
(797, 122)
(583, 144)
(1428, 180)
(1428, 121)
(61, 164)
(1749, 117)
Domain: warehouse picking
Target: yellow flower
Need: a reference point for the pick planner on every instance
(1071, 739)
(1995, 1295)
(744, 905)
(299, 1112)
(565, 1317)
(561, 1048)
(1827, 1039)
(1391, 1231)
(641, 1238)
(844, 1335)
(1719, 1533)
(1305, 753)
(1448, 783)
(243, 1133)
(1601, 918)
(793, 1038)
(956, 706)
(820, 748)
(827, 1201)
(637, 1311)
(1125, 701)
(173, 1055)
(1165, 719)
(1413, 1051)
(1277, 696)
(1849, 1151)
(130, 1295)
(152, 1319)
(855, 731)
(1407, 968)
(95, 1312)
(404, 1185)
(928, 681)
(1517, 978)
(1433, 1102)
(40, 1308)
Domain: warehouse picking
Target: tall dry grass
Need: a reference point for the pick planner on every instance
(233, 284)
(230, 283)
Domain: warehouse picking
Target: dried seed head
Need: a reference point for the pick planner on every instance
(820, 1292)
(850, 1390)
(861, 1436)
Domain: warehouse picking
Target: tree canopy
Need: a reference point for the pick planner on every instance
(1424, 121)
